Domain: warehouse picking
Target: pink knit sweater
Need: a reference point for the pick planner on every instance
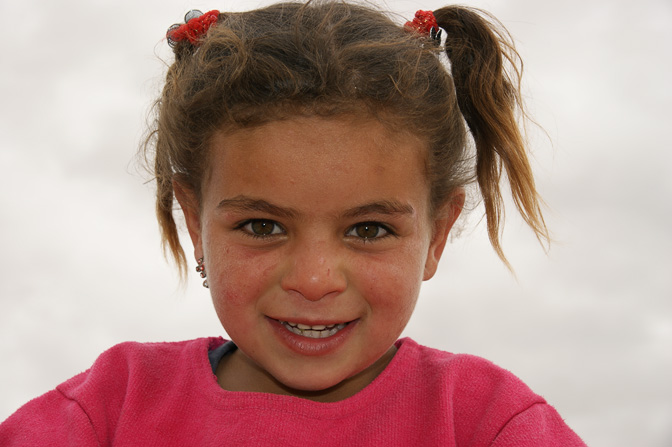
(165, 394)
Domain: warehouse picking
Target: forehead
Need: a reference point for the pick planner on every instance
(311, 138)
(317, 158)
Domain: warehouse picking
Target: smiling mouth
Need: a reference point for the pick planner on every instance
(317, 331)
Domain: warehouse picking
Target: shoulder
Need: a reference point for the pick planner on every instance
(463, 371)
(139, 355)
(86, 408)
(130, 361)
(132, 374)
(487, 402)
(472, 375)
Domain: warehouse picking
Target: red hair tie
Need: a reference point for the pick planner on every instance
(424, 23)
(195, 26)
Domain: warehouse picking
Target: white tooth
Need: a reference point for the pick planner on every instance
(318, 331)
(291, 328)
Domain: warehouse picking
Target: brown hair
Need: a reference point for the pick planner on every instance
(330, 57)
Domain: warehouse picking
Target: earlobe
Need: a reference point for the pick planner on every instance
(191, 210)
(443, 223)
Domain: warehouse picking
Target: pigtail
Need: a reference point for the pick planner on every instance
(171, 155)
(157, 146)
(489, 99)
(170, 239)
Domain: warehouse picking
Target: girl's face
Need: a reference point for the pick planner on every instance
(316, 237)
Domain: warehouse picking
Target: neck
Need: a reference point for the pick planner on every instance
(237, 372)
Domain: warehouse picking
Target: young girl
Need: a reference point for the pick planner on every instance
(319, 154)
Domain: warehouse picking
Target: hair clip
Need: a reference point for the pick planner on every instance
(196, 24)
(424, 23)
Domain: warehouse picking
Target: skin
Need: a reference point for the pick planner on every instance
(315, 221)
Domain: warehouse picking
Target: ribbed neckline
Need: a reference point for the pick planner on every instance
(387, 381)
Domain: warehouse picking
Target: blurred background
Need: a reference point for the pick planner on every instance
(588, 325)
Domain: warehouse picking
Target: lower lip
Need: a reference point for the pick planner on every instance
(312, 346)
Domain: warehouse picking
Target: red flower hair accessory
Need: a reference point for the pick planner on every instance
(195, 26)
(424, 23)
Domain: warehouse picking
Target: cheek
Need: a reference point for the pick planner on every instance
(238, 281)
(392, 285)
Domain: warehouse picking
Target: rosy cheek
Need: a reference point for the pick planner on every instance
(242, 283)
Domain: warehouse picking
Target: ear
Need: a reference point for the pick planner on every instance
(192, 215)
(443, 223)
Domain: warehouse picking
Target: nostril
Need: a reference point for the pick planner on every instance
(314, 269)
(314, 283)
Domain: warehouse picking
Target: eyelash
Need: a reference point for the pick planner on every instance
(243, 226)
(380, 227)
(246, 228)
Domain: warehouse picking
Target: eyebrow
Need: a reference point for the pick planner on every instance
(243, 203)
(384, 207)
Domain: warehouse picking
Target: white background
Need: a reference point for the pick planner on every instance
(588, 326)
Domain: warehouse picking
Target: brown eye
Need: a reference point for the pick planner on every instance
(368, 230)
(262, 228)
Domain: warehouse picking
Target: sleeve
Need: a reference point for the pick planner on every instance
(539, 425)
(49, 420)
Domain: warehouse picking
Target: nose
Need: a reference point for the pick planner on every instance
(314, 271)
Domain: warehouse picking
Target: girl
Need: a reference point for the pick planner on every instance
(319, 154)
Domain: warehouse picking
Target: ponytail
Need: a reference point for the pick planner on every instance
(489, 99)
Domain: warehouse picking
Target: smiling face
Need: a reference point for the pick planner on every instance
(316, 236)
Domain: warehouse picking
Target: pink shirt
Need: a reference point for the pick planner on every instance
(165, 394)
